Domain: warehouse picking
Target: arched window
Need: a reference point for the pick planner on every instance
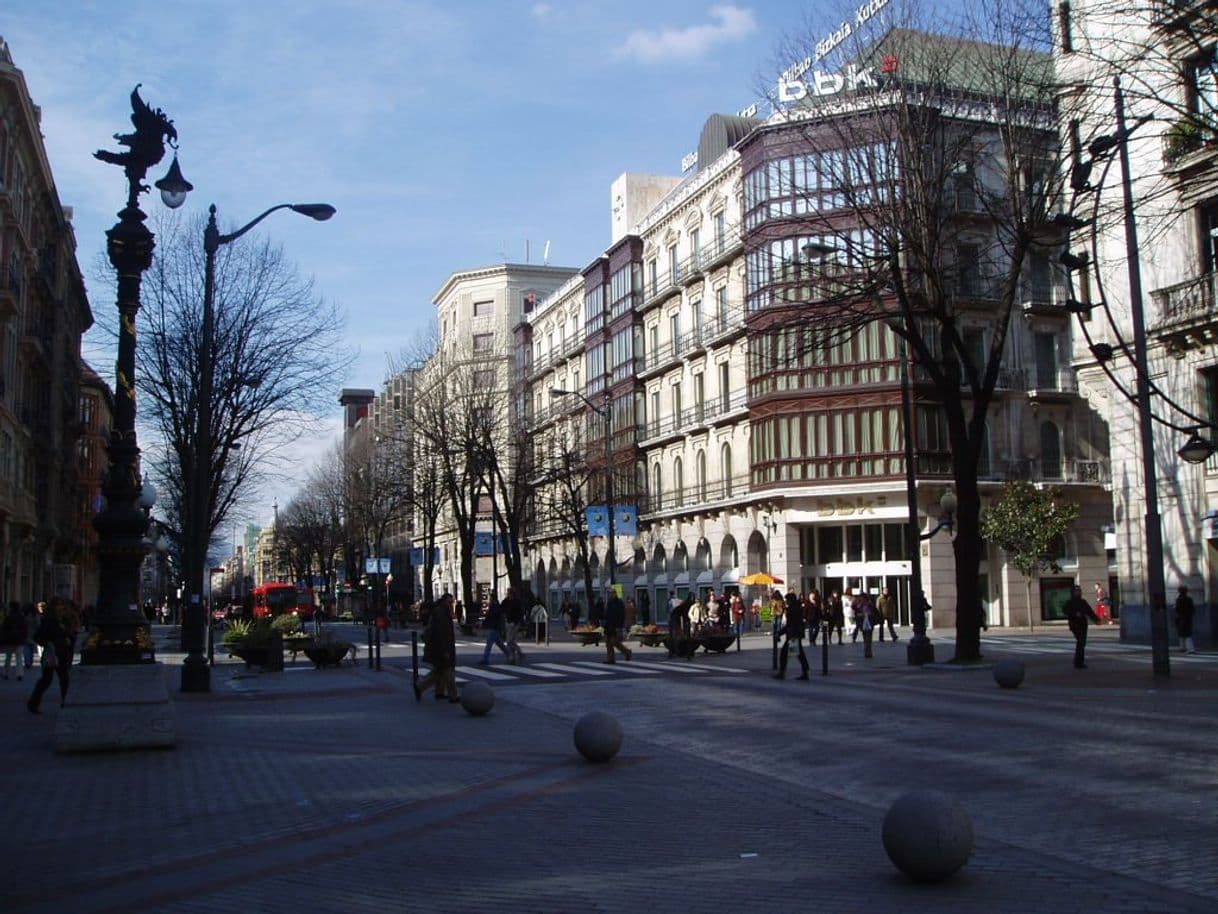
(657, 489)
(702, 475)
(678, 481)
(725, 463)
(1050, 451)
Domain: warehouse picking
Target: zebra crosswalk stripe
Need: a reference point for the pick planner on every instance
(679, 666)
(621, 667)
(565, 668)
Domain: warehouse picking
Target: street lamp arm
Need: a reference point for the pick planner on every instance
(559, 392)
(212, 239)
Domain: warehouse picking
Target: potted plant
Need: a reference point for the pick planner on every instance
(1186, 135)
(249, 640)
(326, 650)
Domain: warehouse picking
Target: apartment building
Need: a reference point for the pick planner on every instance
(43, 313)
(1164, 55)
(745, 450)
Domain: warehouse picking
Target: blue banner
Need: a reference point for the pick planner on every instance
(598, 520)
(625, 520)
(417, 555)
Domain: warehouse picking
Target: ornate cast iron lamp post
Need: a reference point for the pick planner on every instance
(121, 525)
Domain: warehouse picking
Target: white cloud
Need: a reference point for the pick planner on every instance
(542, 10)
(728, 23)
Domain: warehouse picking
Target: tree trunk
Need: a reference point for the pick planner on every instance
(969, 550)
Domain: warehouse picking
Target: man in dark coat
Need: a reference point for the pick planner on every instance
(1185, 608)
(793, 630)
(440, 650)
(1078, 613)
(681, 642)
(615, 621)
(513, 623)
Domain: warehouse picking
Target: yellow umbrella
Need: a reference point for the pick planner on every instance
(761, 578)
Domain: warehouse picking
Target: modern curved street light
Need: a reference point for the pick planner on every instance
(196, 673)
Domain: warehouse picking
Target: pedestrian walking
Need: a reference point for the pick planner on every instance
(866, 620)
(815, 616)
(13, 632)
(737, 612)
(1078, 613)
(886, 606)
(1185, 608)
(513, 624)
(680, 639)
(33, 618)
(793, 629)
(494, 632)
(848, 614)
(837, 616)
(440, 650)
(57, 636)
(615, 619)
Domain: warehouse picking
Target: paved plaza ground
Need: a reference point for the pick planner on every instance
(1089, 791)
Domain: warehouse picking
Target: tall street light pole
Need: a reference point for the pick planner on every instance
(121, 525)
(605, 413)
(196, 674)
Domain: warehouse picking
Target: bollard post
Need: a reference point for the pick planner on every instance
(824, 650)
(414, 656)
(378, 648)
(211, 642)
(371, 659)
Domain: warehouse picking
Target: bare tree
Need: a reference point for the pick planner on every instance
(378, 491)
(563, 496)
(922, 198)
(277, 356)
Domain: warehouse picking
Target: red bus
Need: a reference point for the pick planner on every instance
(275, 600)
(306, 603)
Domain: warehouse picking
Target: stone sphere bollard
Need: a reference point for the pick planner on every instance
(928, 835)
(477, 698)
(1008, 673)
(598, 736)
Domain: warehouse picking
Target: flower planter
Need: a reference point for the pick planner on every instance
(324, 655)
(253, 656)
(717, 642)
(589, 636)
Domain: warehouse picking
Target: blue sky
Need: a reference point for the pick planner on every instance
(448, 135)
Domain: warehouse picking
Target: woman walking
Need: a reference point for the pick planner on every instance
(56, 634)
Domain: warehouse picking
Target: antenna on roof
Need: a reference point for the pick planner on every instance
(545, 255)
(526, 250)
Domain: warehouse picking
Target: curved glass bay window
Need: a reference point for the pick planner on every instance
(806, 358)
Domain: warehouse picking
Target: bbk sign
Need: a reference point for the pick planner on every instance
(818, 83)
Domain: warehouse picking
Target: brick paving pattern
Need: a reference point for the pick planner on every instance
(334, 791)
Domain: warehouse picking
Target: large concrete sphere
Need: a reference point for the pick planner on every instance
(1008, 673)
(598, 736)
(477, 698)
(928, 835)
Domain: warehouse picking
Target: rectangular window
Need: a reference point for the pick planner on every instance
(674, 328)
(484, 308)
(1046, 361)
(695, 246)
(1202, 74)
(721, 306)
(653, 277)
(828, 545)
(674, 265)
(484, 342)
(725, 388)
(854, 543)
(720, 232)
